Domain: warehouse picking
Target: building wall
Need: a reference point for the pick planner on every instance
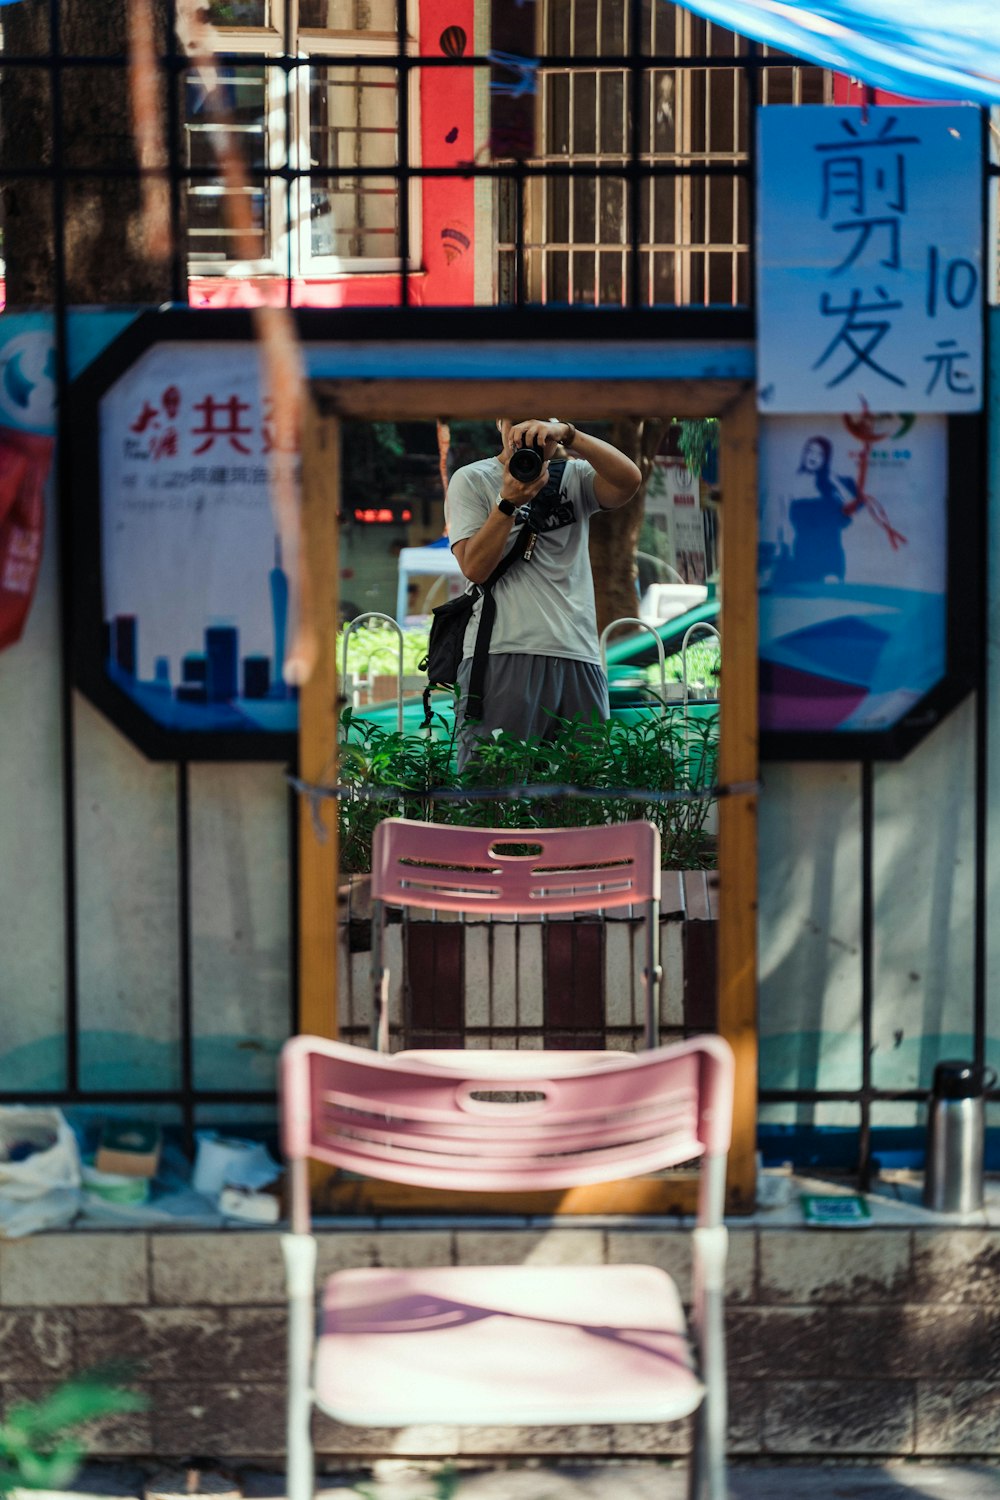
(924, 875)
(810, 920)
(124, 838)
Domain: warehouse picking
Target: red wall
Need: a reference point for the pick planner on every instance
(446, 119)
(850, 91)
(447, 259)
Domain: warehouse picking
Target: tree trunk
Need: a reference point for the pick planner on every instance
(99, 218)
(614, 534)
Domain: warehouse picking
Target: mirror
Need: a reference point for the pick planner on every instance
(528, 983)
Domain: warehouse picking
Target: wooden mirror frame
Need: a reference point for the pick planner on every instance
(392, 399)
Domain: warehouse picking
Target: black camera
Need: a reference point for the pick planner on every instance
(526, 463)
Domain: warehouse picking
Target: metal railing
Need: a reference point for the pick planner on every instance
(661, 658)
(349, 629)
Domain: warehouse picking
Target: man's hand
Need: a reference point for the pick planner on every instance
(518, 491)
(616, 477)
(541, 434)
(479, 554)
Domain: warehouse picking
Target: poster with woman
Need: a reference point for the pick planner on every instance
(852, 569)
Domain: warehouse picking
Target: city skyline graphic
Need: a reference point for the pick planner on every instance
(211, 687)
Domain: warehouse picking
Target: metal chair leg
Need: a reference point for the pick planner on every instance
(299, 1251)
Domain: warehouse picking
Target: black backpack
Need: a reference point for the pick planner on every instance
(446, 645)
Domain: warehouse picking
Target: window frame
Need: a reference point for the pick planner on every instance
(273, 188)
(693, 257)
(288, 54)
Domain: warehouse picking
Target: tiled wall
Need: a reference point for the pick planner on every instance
(871, 1342)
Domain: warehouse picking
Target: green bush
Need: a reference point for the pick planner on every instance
(389, 774)
(373, 650)
(703, 661)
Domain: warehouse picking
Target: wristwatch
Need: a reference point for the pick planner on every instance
(570, 439)
(508, 507)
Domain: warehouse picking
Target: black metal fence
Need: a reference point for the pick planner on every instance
(656, 211)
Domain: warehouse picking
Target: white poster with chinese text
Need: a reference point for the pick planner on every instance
(673, 504)
(197, 603)
(869, 259)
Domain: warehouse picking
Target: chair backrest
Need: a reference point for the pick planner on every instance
(567, 869)
(412, 1122)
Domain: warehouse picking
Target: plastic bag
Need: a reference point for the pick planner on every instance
(38, 1152)
(52, 1210)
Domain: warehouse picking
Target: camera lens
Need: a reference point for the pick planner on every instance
(525, 464)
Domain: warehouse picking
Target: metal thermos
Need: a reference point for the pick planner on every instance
(953, 1176)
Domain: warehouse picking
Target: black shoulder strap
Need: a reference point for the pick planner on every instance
(516, 552)
(488, 614)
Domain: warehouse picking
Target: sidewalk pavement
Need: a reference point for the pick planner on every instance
(651, 1481)
(639, 1480)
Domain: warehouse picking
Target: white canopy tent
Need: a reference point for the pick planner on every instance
(435, 562)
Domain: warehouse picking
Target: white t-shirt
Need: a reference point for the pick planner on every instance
(545, 606)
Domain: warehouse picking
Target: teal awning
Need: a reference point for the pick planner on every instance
(948, 49)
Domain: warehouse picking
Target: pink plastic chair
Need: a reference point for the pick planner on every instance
(431, 865)
(509, 1345)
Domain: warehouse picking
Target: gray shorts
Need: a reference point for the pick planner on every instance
(522, 693)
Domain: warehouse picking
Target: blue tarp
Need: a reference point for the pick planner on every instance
(926, 49)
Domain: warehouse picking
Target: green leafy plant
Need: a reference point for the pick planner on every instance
(373, 650)
(39, 1446)
(704, 659)
(397, 775)
(697, 437)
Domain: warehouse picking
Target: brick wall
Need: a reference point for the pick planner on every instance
(871, 1343)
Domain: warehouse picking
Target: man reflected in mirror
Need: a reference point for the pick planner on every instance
(543, 658)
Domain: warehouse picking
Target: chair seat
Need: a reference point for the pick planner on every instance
(504, 1345)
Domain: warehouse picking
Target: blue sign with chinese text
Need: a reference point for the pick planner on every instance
(869, 259)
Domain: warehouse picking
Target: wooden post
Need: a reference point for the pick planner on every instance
(318, 852)
(737, 959)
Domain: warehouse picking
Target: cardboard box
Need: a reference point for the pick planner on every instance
(129, 1148)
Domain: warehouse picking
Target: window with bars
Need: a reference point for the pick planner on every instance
(662, 119)
(310, 134)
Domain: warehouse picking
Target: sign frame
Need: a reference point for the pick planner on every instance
(964, 635)
(85, 580)
(887, 294)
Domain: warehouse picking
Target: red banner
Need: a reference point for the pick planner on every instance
(25, 459)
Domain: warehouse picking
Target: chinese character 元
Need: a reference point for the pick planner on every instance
(946, 363)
